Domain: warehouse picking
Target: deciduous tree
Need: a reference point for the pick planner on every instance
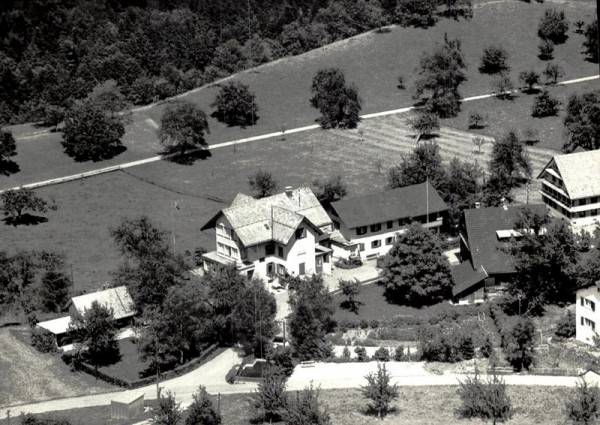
(95, 336)
(262, 183)
(553, 72)
(337, 101)
(182, 127)
(350, 289)
(92, 133)
(330, 189)
(582, 122)
(424, 163)
(426, 123)
(494, 60)
(529, 79)
(591, 41)
(415, 272)
(553, 26)
(15, 202)
(440, 75)
(235, 105)
(416, 13)
(8, 149)
(510, 158)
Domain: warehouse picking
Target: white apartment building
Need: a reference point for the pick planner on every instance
(588, 314)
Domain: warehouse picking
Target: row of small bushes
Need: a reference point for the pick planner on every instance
(383, 354)
(348, 263)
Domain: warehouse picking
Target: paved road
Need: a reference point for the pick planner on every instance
(325, 375)
(253, 139)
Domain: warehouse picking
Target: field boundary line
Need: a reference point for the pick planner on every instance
(283, 133)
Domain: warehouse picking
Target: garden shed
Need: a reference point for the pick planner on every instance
(127, 406)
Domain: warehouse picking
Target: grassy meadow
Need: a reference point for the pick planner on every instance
(372, 61)
(417, 406)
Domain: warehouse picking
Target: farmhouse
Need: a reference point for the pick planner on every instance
(571, 187)
(368, 225)
(587, 313)
(484, 235)
(118, 300)
(273, 236)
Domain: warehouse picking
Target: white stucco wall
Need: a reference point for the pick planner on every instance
(584, 332)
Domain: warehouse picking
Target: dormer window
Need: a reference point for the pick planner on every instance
(361, 230)
(375, 227)
(300, 233)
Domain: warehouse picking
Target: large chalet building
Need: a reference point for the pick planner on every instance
(367, 225)
(273, 236)
(571, 187)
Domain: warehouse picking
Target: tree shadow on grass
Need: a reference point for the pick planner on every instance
(8, 167)
(25, 220)
(188, 158)
(351, 306)
(370, 410)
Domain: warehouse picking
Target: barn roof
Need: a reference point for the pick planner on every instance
(486, 247)
(400, 203)
(56, 326)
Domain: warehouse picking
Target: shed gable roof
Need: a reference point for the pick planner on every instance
(403, 202)
(117, 299)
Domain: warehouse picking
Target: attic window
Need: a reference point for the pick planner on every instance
(300, 233)
(507, 234)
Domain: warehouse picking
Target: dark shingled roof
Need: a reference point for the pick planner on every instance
(465, 277)
(404, 202)
(481, 225)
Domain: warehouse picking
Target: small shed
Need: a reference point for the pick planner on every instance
(127, 406)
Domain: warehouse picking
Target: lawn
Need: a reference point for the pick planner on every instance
(88, 208)
(373, 61)
(505, 115)
(129, 367)
(99, 415)
(417, 406)
(27, 376)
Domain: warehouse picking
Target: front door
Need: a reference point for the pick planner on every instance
(319, 264)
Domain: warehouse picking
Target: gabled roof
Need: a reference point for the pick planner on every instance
(465, 277)
(486, 249)
(56, 326)
(273, 218)
(580, 172)
(404, 202)
(117, 299)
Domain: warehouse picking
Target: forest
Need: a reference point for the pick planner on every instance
(54, 52)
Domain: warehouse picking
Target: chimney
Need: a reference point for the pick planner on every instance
(477, 205)
(288, 191)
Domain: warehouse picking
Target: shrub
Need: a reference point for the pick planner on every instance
(282, 358)
(566, 326)
(367, 342)
(399, 355)
(476, 120)
(485, 399)
(546, 50)
(545, 105)
(465, 348)
(584, 406)
(270, 397)
(43, 341)
(374, 324)
(346, 352)
(382, 354)
(529, 79)
(364, 324)
(361, 354)
(518, 344)
(487, 348)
